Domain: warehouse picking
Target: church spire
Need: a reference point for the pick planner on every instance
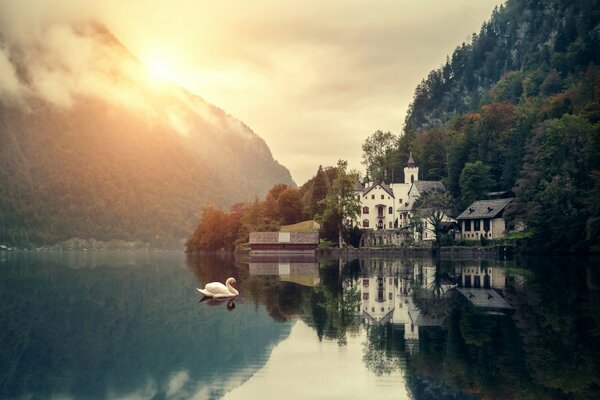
(411, 162)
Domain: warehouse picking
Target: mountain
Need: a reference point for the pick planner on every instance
(95, 147)
(521, 103)
(531, 37)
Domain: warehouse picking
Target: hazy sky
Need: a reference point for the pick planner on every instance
(312, 78)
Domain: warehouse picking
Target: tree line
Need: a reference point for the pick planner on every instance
(328, 198)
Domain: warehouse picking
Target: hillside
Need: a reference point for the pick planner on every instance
(518, 109)
(93, 146)
(529, 36)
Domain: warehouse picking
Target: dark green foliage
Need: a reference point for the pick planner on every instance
(505, 102)
(320, 187)
(378, 156)
(474, 183)
(341, 204)
(555, 180)
(547, 41)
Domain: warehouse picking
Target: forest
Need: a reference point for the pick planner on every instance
(516, 109)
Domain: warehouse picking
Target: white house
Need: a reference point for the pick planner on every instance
(390, 206)
(484, 218)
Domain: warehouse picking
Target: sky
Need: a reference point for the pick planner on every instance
(312, 78)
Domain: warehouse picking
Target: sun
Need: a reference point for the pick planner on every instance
(161, 68)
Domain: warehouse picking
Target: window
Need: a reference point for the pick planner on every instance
(400, 201)
(365, 283)
(365, 296)
(390, 210)
(486, 225)
(412, 179)
(390, 225)
(476, 225)
(372, 197)
(389, 295)
(382, 197)
(467, 226)
(365, 210)
(365, 223)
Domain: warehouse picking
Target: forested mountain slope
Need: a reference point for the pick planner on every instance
(546, 41)
(93, 146)
(518, 109)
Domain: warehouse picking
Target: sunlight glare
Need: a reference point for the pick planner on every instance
(161, 68)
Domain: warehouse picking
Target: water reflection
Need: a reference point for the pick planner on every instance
(464, 329)
(131, 325)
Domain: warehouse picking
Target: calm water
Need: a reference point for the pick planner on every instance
(130, 325)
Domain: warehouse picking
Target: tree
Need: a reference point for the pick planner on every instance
(433, 207)
(377, 155)
(289, 206)
(211, 231)
(555, 179)
(319, 191)
(341, 204)
(271, 210)
(474, 182)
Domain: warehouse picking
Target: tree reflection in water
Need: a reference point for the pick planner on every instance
(416, 320)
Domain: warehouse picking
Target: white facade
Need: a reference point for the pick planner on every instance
(387, 297)
(387, 206)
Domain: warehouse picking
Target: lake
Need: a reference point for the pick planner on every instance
(130, 325)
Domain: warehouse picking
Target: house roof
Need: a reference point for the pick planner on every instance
(485, 298)
(484, 209)
(426, 186)
(385, 187)
(358, 187)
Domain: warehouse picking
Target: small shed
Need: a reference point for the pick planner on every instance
(283, 242)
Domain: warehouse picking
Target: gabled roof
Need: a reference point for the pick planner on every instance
(385, 187)
(426, 186)
(358, 187)
(484, 209)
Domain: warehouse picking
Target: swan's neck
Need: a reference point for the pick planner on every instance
(232, 289)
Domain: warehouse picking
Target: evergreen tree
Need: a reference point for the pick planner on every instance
(319, 191)
(474, 182)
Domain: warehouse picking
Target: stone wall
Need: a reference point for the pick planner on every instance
(395, 238)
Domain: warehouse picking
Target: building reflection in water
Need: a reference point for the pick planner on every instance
(300, 269)
(390, 291)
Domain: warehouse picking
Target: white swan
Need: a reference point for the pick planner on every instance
(218, 290)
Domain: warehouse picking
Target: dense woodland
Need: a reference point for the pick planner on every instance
(516, 109)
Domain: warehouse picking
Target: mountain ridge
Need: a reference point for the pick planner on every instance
(94, 147)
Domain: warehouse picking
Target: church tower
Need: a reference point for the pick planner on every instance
(411, 171)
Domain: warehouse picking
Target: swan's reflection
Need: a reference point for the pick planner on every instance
(211, 301)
